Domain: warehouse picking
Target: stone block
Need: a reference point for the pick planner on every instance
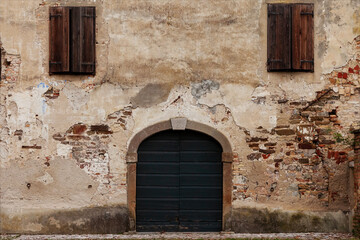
(178, 123)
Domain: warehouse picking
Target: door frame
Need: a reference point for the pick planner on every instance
(227, 159)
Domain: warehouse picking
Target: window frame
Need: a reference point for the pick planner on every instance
(290, 37)
(72, 40)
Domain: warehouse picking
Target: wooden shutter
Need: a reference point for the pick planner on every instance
(59, 40)
(303, 37)
(279, 37)
(83, 40)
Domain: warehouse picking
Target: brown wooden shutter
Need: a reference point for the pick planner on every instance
(303, 37)
(59, 40)
(83, 40)
(279, 37)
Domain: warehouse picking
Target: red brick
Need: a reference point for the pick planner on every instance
(100, 129)
(285, 131)
(31, 147)
(306, 146)
(332, 80)
(79, 128)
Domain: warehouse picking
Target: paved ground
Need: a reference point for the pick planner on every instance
(306, 236)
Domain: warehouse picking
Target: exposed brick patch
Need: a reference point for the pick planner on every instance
(10, 68)
(120, 118)
(306, 147)
(90, 149)
(52, 93)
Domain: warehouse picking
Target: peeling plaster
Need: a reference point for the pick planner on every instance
(76, 96)
(206, 86)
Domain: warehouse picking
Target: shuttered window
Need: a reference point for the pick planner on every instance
(72, 40)
(290, 37)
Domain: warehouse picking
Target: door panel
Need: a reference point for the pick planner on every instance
(156, 167)
(179, 183)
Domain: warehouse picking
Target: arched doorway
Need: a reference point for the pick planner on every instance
(179, 182)
(226, 159)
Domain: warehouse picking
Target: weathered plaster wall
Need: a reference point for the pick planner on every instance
(64, 138)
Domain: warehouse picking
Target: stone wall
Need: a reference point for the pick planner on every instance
(64, 138)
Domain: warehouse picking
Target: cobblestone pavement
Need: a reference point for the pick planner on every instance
(317, 236)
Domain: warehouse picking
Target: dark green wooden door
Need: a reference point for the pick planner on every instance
(179, 183)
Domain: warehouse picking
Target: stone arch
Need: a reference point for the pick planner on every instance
(179, 124)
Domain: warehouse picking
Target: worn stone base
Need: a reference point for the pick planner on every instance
(92, 220)
(177, 236)
(253, 220)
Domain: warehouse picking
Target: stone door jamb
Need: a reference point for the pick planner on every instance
(227, 158)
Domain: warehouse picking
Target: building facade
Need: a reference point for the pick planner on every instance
(273, 144)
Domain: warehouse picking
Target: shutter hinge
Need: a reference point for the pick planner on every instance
(306, 61)
(274, 60)
(55, 15)
(274, 13)
(88, 63)
(307, 13)
(89, 16)
(54, 62)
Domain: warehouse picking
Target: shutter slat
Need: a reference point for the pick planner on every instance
(59, 40)
(303, 37)
(88, 40)
(76, 32)
(279, 37)
(83, 40)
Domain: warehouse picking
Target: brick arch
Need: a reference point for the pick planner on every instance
(227, 158)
